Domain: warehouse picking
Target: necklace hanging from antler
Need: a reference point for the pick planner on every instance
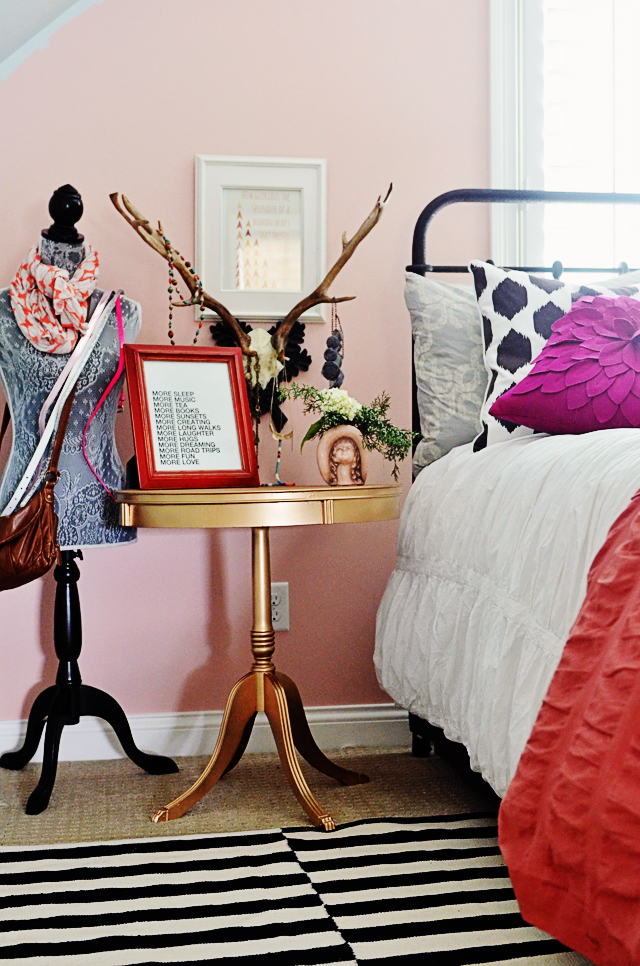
(196, 298)
(265, 360)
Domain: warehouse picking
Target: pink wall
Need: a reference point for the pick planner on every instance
(122, 99)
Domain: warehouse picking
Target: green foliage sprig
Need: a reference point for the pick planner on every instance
(340, 409)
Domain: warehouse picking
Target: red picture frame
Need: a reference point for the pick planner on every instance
(191, 423)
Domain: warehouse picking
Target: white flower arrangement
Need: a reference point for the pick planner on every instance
(338, 401)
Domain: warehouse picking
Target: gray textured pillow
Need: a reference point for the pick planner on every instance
(450, 371)
(627, 284)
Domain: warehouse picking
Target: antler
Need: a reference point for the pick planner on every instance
(319, 295)
(154, 238)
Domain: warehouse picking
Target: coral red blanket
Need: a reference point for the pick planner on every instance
(570, 821)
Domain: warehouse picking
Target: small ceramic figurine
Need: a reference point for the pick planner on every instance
(341, 459)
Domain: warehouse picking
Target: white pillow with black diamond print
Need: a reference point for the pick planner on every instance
(517, 312)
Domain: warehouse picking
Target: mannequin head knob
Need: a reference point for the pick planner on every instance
(66, 209)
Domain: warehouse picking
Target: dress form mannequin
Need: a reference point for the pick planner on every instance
(87, 514)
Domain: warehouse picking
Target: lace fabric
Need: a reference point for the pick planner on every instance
(87, 514)
(61, 254)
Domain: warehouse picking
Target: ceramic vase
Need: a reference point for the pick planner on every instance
(342, 459)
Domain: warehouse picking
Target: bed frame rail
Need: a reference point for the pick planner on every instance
(487, 195)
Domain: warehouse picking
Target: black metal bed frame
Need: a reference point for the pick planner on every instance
(510, 196)
(426, 736)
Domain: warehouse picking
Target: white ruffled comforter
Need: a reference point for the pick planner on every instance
(493, 554)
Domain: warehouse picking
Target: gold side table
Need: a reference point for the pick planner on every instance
(263, 688)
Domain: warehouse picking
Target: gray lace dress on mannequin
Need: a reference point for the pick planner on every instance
(87, 515)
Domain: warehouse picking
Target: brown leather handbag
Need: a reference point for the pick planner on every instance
(29, 537)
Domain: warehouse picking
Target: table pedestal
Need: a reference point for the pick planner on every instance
(268, 690)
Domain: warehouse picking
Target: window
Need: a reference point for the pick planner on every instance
(565, 86)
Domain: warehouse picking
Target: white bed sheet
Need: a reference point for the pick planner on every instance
(493, 555)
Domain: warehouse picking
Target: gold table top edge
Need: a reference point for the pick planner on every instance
(261, 494)
(259, 507)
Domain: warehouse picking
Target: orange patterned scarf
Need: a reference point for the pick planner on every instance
(50, 307)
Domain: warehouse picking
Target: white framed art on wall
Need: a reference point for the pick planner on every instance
(261, 232)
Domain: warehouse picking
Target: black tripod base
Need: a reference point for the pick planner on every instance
(62, 705)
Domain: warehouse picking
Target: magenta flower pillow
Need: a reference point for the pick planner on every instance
(587, 377)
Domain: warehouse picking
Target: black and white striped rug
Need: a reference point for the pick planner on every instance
(399, 892)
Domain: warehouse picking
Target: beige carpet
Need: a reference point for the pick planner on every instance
(98, 800)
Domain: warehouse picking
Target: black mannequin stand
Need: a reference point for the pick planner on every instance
(68, 699)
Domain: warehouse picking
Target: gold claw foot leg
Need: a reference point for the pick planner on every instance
(277, 711)
(239, 712)
(304, 740)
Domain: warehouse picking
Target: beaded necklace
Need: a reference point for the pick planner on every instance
(196, 299)
(334, 353)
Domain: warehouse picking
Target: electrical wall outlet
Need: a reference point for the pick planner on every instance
(280, 607)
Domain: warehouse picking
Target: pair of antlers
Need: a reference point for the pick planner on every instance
(154, 238)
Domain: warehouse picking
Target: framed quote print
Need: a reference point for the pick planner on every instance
(190, 416)
(261, 232)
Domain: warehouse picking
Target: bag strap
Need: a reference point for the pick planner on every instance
(105, 394)
(52, 475)
(6, 418)
(93, 320)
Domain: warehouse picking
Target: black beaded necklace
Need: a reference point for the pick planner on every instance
(334, 353)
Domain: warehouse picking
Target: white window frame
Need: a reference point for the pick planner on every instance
(505, 112)
(516, 36)
(516, 163)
